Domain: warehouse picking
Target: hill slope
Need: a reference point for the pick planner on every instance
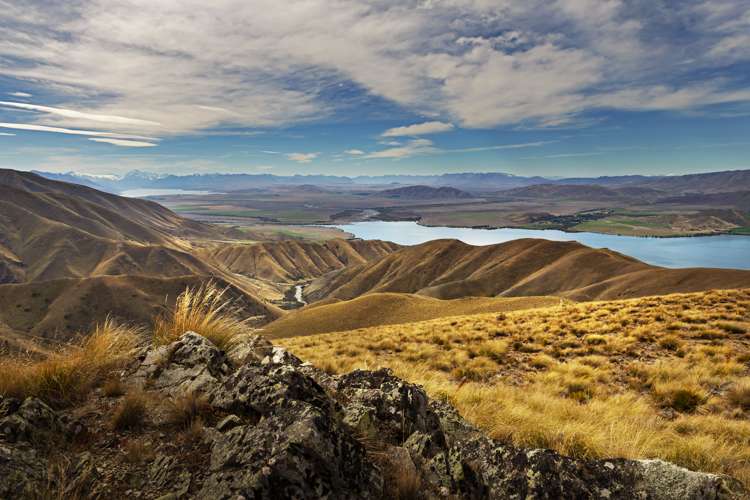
(425, 193)
(658, 377)
(53, 230)
(292, 260)
(389, 308)
(59, 309)
(449, 269)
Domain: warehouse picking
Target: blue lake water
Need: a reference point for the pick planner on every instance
(726, 251)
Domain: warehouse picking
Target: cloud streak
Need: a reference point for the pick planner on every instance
(125, 143)
(419, 129)
(59, 130)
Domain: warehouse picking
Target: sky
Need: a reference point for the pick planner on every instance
(355, 87)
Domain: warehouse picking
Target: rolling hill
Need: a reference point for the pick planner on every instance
(448, 269)
(425, 193)
(54, 230)
(292, 260)
(70, 255)
(387, 309)
(58, 309)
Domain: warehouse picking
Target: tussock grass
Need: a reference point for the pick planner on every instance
(185, 410)
(131, 412)
(69, 374)
(205, 310)
(655, 377)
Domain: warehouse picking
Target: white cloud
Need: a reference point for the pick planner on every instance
(6, 134)
(19, 94)
(419, 129)
(191, 66)
(411, 148)
(59, 130)
(354, 152)
(302, 157)
(124, 142)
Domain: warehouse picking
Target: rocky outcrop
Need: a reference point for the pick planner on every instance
(279, 428)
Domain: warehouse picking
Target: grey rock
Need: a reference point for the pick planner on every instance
(228, 422)
(295, 446)
(190, 364)
(249, 349)
(23, 471)
(29, 421)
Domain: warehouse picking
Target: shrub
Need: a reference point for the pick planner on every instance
(69, 374)
(670, 343)
(113, 388)
(185, 410)
(204, 310)
(739, 394)
(130, 413)
(682, 397)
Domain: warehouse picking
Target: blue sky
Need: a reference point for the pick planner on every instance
(533, 87)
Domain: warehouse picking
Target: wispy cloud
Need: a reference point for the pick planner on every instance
(302, 157)
(563, 155)
(125, 143)
(354, 152)
(6, 134)
(80, 115)
(19, 94)
(522, 145)
(427, 147)
(419, 129)
(59, 130)
(411, 148)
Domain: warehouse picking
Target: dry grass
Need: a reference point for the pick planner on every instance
(204, 310)
(69, 374)
(660, 377)
(184, 411)
(131, 412)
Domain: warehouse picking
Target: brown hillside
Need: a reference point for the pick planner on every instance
(389, 309)
(297, 260)
(57, 309)
(448, 269)
(425, 193)
(53, 230)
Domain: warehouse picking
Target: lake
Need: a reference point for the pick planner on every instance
(143, 193)
(726, 251)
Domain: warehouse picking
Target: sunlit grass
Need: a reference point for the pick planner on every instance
(69, 374)
(205, 310)
(656, 377)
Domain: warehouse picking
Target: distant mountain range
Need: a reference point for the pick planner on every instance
(735, 180)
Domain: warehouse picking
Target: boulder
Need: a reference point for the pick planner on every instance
(190, 364)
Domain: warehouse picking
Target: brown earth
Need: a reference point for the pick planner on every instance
(448, 269)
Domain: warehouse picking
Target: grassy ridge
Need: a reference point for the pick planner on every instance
(390, 308)
(662, 376)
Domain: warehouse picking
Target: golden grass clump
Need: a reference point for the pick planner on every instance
(654, 377)
(205, 310)
(69, 374)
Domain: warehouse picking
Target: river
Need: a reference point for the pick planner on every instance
(723, 251)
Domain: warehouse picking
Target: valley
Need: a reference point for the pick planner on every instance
(691, 205)
(539, 343)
